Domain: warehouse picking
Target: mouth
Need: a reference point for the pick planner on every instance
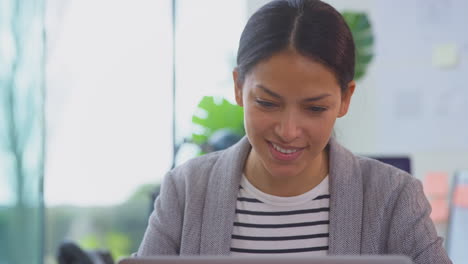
(284, 153)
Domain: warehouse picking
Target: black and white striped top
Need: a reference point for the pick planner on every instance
(267, 224)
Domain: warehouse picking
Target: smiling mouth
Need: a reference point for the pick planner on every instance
(285, 150)
(284, 153)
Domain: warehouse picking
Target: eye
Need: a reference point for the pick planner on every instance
(316, 109)
(265, 104)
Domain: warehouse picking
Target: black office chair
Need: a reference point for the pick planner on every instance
(71, 253)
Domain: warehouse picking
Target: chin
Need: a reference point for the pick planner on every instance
(283, 171)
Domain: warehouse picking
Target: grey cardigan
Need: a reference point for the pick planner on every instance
(374, 208)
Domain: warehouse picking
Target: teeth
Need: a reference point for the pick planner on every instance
(285, 151)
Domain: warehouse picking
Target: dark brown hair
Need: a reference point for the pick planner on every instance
(311, 27)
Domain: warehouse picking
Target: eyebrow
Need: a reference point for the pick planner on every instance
(311, 99)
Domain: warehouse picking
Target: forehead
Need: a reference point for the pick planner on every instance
(288, 72)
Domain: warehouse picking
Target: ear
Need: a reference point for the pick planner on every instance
(237, 87)
(346, 99)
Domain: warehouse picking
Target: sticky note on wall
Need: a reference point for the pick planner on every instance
(436, 184)
(440, 210)
(460, 196)
(445, 55)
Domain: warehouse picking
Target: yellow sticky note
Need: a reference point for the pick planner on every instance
(445, 55)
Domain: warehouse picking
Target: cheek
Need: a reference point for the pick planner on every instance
(256, 121)
(320, 128)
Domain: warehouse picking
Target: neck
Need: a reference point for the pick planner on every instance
(290, 185)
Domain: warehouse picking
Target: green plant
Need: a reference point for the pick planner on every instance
(117, 243)
(361, 29)
(214, 115)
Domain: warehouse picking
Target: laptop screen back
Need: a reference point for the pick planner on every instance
(270, 260)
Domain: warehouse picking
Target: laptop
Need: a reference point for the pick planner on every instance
(270, 260)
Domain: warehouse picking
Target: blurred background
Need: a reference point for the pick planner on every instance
(98, 99)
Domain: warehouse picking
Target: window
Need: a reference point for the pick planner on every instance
(21, 131)
(207, 36)
(109, 120)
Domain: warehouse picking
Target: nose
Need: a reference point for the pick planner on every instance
(288, 128)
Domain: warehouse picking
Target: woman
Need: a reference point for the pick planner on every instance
(289, 187)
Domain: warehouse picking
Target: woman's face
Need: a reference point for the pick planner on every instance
(290, 106)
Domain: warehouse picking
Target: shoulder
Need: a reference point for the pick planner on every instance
(384, 177)
(395, 204)
(390, 192)
(223, 164)
(378, 181)
(196, 169)
(372, 173)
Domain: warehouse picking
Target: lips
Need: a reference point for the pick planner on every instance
(284, 153)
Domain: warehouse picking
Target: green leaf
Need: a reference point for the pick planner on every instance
(365, 41)
(361, 29)
(118, 244)
(90, 242)
(214, 115)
